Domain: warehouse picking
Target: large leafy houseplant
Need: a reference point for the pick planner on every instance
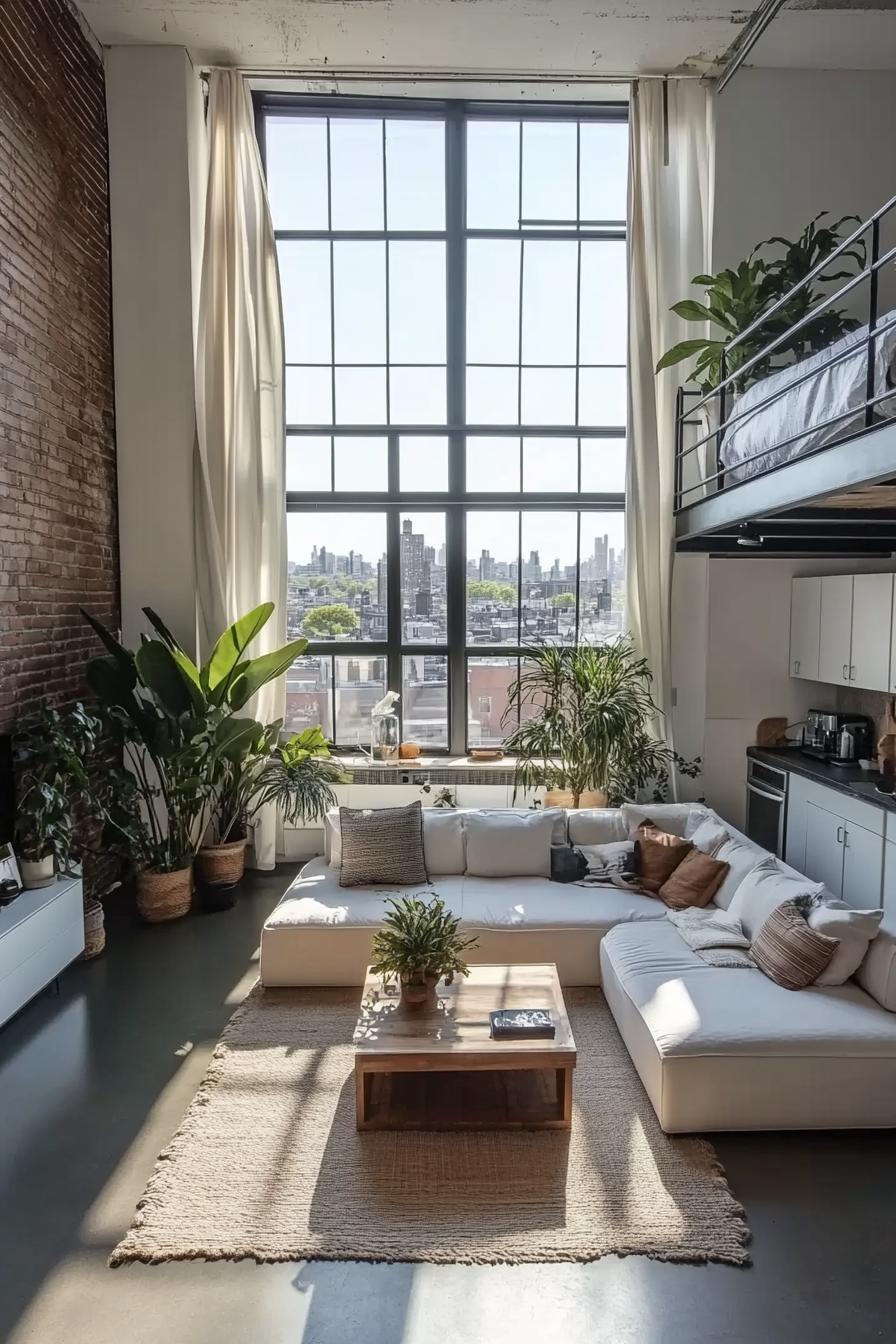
(737, 298)
(419, 944)
(584, 716)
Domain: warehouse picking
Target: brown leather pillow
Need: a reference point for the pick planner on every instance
(657, 855)
(695, 881)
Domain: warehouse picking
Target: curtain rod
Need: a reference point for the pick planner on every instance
(445, 76)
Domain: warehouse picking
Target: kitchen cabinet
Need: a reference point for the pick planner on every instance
(863, 860)
(840, 851)
(835, 632)
(872, 619)
(824, 848)
(805, 627)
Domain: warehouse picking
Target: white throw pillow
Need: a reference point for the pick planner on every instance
(854, 930)
(765, 888)
(709, 836)
(333, 838)
(669, 817)
(443, 841)
(741, 858)
(697, 816)
(509, 844)
(595, 825)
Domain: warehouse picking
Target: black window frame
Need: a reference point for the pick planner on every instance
(456, 502)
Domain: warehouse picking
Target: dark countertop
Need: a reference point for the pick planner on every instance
(844, 778)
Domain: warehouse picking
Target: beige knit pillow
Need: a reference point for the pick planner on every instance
(788, 951)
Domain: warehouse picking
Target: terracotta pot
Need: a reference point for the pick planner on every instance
(221, 863)
(162, 896)
(38, 872)
(418, 990)
(94, 930)
(564, 798)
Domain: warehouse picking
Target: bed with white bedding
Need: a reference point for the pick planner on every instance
(838, 390)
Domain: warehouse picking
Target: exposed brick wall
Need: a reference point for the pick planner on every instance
(58, 525)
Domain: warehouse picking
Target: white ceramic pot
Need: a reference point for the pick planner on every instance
(39, 872)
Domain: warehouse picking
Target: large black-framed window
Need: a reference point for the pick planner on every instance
(454, 288)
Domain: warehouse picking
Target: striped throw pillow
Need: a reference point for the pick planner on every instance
(382, 845)
(788, 951)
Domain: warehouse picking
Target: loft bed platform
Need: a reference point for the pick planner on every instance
(802, 460)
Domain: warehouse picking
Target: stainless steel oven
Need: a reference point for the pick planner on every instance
(766, 805)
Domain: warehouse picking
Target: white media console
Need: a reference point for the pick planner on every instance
(41, 932)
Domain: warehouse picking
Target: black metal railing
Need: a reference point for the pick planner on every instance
(693, 483)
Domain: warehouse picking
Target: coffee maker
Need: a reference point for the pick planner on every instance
(839, 739)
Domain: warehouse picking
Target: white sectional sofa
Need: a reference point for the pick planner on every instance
(716, 1048)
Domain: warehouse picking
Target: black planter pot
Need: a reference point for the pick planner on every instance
(217, 896)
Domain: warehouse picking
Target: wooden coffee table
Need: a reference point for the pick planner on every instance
(438, 1067)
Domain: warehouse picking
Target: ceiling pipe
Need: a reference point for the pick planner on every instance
(756, 26)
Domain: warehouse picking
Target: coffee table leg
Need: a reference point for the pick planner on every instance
(564, 1095)
(362, 1096)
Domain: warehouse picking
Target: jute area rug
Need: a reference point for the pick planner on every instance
(268, 1165)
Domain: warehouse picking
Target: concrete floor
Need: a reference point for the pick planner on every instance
(94, 1081)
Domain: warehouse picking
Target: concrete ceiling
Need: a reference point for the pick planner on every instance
(599, 37)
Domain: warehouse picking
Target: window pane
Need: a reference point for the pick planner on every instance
(334, 589)
(296, 161)
(493, 396)
(603, 168)
(602, 397)
(361, 396)
(422, 463)
(548, 578)
(550, 271)
(488, 681)
(309, 702)
(492, 566)
(415, 174)
(361, 464)
(356, 170)
(417, 396)
(360, 683)
(309, 396)
(549, 396)
(493, 464)
(493, 301)
(604, 304)
(550, 465)
(493, 174)
(359, 301)
(424, 698)
(603, 465)
(308, 465)
(417, 303)
(305, 288)
(602, 585)
(422, 556)
(549, 170)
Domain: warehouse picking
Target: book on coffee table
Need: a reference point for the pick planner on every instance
(522, 1022)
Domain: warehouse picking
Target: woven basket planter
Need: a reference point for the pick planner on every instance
(221, 863)
(162, 896)
(94, 930)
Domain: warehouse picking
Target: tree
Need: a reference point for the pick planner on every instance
(487, 590)
(330, 621)
(349, 587)
(563, 600)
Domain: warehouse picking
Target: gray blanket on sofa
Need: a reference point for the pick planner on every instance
(715, 937)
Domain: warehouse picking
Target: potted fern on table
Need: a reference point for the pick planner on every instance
(420, 944)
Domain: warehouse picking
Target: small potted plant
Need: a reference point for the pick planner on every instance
(420, 945)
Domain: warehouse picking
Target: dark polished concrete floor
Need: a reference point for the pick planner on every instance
(94, 1081)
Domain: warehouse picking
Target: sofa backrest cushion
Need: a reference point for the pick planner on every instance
(763, 889)
(509, 844)
(443, 841)
(877, 973)
(670, 817)
(709, 835)
(741, 857)
(854, 929)
(595, 825)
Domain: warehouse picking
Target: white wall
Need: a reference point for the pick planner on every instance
(155, 120)
(789, 144)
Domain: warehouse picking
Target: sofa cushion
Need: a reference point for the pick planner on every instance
(509, 844)
(741, 857)
(443, 841)
(763, 889)
(708, 836)
(877, 973)
(854, 931)
(537, 903)
(788, 951)
(595, 825)
(694, 882)
(316, 900)
(670, 817)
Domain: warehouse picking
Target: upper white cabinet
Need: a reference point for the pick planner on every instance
(842, 630)
(835, 636)
(872, 616)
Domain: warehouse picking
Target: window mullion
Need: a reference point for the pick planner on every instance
(455, 543)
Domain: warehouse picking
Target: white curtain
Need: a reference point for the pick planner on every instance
(671, 176)
(240, 475)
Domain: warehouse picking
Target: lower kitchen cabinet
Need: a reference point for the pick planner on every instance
(837, 840)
